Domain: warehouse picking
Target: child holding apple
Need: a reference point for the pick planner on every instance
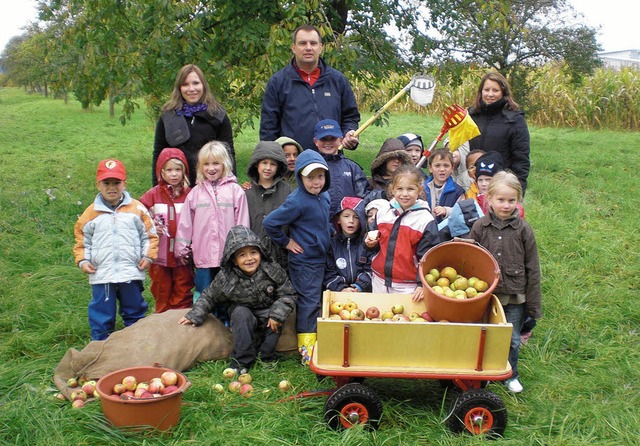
(115, 243)
(406, 231)
(511, 241)
(257, 293)
(349, 261)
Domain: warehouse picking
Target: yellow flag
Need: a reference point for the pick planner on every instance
(462, 132)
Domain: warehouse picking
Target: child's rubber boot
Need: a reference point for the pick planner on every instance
(306, 341)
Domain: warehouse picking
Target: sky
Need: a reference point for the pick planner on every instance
(614, 16)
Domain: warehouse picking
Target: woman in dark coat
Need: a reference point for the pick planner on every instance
(190, 119)
(502, 125)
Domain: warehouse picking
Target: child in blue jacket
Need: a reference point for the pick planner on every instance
(442, 192)
(349, 261)
(306, 213)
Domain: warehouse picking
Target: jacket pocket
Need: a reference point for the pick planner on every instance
(513, 279)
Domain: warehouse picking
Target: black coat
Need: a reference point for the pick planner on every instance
(203, 128)
(506, 132)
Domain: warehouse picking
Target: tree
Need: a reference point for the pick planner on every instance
(508, 35)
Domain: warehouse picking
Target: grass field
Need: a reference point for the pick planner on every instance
(581, 368)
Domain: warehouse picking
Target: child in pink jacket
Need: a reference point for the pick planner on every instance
(214, 205)
(171, 280)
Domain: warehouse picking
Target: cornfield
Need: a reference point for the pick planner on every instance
(606, 100)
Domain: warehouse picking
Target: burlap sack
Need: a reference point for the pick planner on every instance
(156, 339)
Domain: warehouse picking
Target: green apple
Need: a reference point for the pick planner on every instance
(472, 281)
(449, 272)
(435, 273)
(471, 292)
(397, 309)
(481, 286)
(431, 279)
(438, 289)
(449, 293)
(461, 283)
(459, 294)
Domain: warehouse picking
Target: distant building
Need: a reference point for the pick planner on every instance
(621, 59)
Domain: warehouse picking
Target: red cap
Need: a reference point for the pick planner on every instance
(111, 168)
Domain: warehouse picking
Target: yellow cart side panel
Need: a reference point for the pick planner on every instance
(412, 345)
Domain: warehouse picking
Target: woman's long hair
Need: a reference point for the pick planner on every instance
(176, 100)
(504, 86)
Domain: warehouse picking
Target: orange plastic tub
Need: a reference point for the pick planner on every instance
(161, 413)
(469, 260)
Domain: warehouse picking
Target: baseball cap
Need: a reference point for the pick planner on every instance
(327, 127)
(111, 168)
(311, 167)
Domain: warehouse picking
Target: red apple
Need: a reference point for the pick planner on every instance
(372, 313)
(139, 392)
(78, 395)
(127, 395)
(77, 404)
(146, 394)
(119, 389)
(427, 317)
(156, 386)
(130, 383)
(234, 386)
(169, 389)
(89, 387)
(72, 382)
(245, 378)
(246, 390)
(169, 378)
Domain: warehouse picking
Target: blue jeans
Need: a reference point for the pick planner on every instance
(102, 308)
(515, 315)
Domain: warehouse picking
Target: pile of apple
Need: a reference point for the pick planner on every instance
(129, 388)
(349, 311)
(447, 282)
(83, 389)
(242, 384)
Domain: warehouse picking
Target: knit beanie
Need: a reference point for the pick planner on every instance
(489, 164)
(411, 139)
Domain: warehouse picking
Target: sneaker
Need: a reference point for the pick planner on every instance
(514, 385)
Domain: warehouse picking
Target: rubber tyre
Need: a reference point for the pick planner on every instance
(352, 404)
(479, 412)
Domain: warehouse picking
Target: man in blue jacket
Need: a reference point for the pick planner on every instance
(305, 92)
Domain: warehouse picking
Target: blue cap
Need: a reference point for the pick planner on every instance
(327, 127)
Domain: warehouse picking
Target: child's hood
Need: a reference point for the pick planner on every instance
(166, 155)
(304, 159)
(238, 237)
(357, 205)
(267, 150)
(392, 148)
(284, 140)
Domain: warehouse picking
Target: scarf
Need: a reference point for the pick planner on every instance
(188, 110)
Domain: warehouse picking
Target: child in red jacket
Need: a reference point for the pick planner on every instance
(171, 279)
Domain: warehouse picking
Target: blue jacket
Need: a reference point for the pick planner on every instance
(349, 260)
(291, 107)
(347, 180)
(307, 216)
(451, 194)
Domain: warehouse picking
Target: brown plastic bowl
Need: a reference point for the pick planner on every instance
(161, 413)
(469, 260)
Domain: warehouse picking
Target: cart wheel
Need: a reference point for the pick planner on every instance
(479, 412)
(353, 404)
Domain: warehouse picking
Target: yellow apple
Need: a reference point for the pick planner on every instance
(350, 305)
(438, 289)
(335, 307)
(435, 273)
(461, 283)
(386, 315)
(443, 282)
(471, 292)
(481, 286)
(449, 293)
(459, 294)
(431, 279)
(449, 272)
(397, 309)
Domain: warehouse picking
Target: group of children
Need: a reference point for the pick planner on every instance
(305, 221)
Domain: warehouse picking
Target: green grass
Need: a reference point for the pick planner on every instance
(580, 369)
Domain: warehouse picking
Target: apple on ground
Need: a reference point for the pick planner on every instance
(335, 307)
(229, 372)
(78, 395)
(397, 309)
(72, 382)
(284, 385)
(246, 390)
(372, 313)
(234, 386)
(169, 378)
(89, 387)
(96, 395)
(218, 387)
(357, 314)
(77, 404)
(245, 378)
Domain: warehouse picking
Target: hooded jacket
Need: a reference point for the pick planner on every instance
(114, 241)
(263, 201)
(190, 134)
(349, 261)
(268, 287)
(209, 211)
(291, 107)
(289, 176)
(392, 148)
(450, 195)
(306, 215)
(165, 207)
(506, 132)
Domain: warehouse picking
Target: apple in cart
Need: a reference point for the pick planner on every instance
(471, 292)
(335, 307)
(398, 317)
(397, 309)
(335, 317)
(481, 286)
(413, 316)
(345, 314)
(435, 273)
(427, 317)
(350, 305)
(386, 315)
(357, 314)
(372, 313)
(443, 282)
(431, 279)
(461, 283)
(449, 272)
